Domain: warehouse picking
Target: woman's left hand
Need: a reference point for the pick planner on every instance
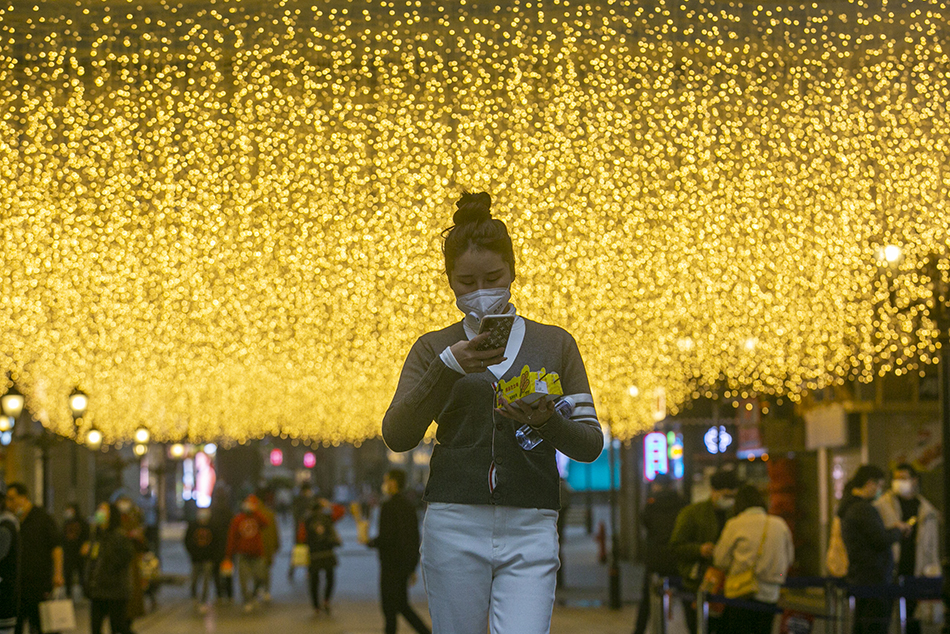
(534, 415)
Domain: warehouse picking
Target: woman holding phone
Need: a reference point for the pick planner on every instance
(489, 542)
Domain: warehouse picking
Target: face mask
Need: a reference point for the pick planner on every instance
(101, 518)
(486, 301)
(124, 507)
(724, 504)
(69, 515)
(903, 488)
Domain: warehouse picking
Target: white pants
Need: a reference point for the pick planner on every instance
(489, 560)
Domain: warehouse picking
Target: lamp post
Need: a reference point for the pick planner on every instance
(12, 402)
(78, 403)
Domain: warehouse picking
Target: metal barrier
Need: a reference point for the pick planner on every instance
(840, 600)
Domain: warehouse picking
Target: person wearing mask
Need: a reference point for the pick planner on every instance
(301, 507)
(694, 537)
(246, 542)
(271, 538)
(9, 568)
(200, 542)
(918, 552)
(658, 518)
(111, 559)
(41, 556)
(754, 540)
(220, 523)
(868, 542)
(75, 534)
(132, 525)
(489, 545)
(398, 546)
(321, 538)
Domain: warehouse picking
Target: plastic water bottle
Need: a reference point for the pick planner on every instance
(528, 438)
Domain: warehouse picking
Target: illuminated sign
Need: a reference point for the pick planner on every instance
(276, 457)
(663, 453)
(309, 460)
(717, 439)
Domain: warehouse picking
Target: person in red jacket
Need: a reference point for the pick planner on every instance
(245, 540)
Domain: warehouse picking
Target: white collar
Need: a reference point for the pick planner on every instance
(515, 339)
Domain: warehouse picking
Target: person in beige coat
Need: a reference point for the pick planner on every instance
(918, 553)
(753, 539)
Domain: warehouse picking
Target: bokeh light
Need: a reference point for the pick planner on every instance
(222, 217)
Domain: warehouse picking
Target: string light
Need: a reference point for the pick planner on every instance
(223, 217)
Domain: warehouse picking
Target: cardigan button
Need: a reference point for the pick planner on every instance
(499, 460)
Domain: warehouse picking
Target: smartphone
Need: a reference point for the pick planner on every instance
(500, 328)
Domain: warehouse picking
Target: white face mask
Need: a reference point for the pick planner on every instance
(725, 504)
(486, 301)
(903, 488)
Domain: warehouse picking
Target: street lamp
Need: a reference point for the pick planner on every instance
(12, 402)
(94, 438)
(140, 449)
(78, 403)
(142, 435)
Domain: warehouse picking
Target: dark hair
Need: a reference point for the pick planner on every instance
(115, 517)
(20, 489)
(865, 473)
(398, 476)
(748, 497)
(909, 468)
(724, 480)
(474, 228)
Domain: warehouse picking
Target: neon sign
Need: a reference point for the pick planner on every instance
(662, 453)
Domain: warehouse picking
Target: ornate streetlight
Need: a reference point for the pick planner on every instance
(12, 402)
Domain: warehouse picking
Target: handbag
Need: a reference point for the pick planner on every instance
(746, 583)
(300, 555)
(836, 559)
(57, 615)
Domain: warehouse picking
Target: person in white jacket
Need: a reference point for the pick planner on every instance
(754, 539)
(918, 553)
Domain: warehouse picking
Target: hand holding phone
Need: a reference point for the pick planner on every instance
(499, 329)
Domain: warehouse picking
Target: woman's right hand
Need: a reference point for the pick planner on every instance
(473, 360)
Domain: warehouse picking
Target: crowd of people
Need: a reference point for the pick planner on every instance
(729, 545)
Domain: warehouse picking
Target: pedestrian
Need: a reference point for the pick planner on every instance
(761, 543)
(246, 542)
(302, 504)
(9, 568)
(200, 542)
(658, 519)
(321, 538)
(918, 553)
(868, 542)
(221, 523)
(75, 534)
(41, 556)
(132, 525)
(694, 538)
(489, 545)
(111, 559)
(271, 540)
(398, 544)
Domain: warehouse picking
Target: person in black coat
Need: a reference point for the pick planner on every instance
(321, 538)
(110, 572)
(398, 545)
(868, 542)
(75, 534)
(9, 569)
(659, 518)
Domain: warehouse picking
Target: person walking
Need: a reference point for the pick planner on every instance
(301, 507)
(397, 541)
(271, 540)
(41, 556)
(868, 542)
(9, 568)
(111, 559)
(319, 533)
(489, 545)
(221, 523)
(754, 540)
(918, 552)
(658, 518)
(695, 534)
(246, 542)
(201, 544)
(75, 534)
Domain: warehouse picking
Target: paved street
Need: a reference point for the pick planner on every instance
(355, 606)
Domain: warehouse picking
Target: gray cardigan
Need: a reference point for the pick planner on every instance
(472, 438)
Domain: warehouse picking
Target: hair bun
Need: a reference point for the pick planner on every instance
(472, 208)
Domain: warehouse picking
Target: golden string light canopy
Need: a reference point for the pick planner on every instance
(221, 219)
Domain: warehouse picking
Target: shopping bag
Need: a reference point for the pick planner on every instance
(300, 555)
(57, 615)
